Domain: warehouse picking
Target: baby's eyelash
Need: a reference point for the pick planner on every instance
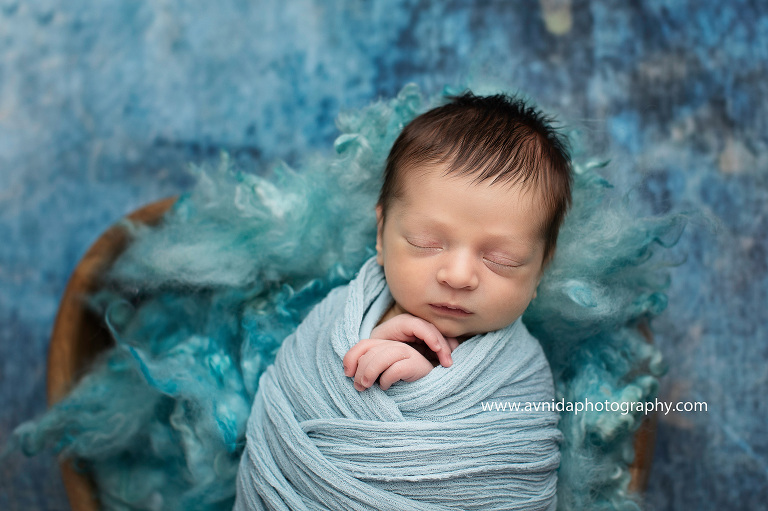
(421, 246)
(501, 264)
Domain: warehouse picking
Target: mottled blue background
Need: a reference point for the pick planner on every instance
(102, 105)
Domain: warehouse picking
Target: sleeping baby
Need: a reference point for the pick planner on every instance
(468, 216)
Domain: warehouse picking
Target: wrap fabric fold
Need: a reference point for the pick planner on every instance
(314, 442)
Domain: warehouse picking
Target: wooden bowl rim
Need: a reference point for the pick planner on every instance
(64, 366)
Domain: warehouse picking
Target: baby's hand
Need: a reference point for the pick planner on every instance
(408, 328)
(387, 360)
(387, 357)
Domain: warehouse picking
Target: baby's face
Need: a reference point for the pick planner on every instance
(465, 257)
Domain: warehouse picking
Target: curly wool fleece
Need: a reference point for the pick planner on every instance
(199, 305)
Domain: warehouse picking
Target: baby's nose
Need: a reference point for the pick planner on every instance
(458, 272)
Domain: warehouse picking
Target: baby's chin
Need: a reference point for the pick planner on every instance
(462, 332)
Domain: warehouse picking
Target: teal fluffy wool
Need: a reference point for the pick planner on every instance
(199, 305)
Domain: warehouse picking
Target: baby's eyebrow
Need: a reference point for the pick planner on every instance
(424, 220)
(511, 239)
(502, 241)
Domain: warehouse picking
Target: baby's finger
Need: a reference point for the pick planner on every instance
(408, 328)
(434, 339)
(399, 328)
(453, 342)
(376, 361)
(409, 369)
(352, 357)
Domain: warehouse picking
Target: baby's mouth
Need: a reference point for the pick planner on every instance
(448, 309)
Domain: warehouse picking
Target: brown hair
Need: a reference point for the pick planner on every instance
(499, 137)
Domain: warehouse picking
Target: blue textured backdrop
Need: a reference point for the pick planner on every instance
(102, 105)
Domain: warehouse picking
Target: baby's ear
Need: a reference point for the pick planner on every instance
(538, 281)
(379, 234)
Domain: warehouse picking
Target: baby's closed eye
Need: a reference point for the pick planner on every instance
(424, 243)
(501, 261)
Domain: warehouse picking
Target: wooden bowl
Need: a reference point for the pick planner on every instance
(645, 441)
(79, 335)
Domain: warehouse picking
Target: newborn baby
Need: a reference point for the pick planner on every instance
(474, 194)
(468, 215)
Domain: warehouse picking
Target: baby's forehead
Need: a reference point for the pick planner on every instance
(469, 183)
(433, 194)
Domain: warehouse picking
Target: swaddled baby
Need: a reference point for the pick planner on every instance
(473, 198)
